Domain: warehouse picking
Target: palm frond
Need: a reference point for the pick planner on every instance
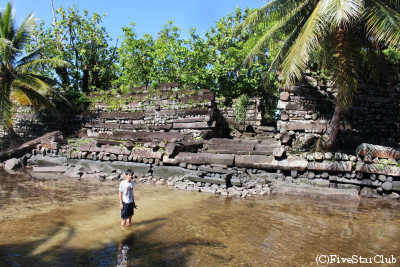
(7, 51)
(29, 81)
(7, 22)
(383, 24)
(344, 70)
(270, 12)
(296, 60)
(23, 32)
(51, 83)
(282, 53)
(342, 12)
(284, 21)
(23, 92)
(31, 56)
(25, 65)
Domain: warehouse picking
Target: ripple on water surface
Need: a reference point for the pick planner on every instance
(77, 223)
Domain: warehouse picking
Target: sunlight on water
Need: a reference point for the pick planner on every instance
(77, 223)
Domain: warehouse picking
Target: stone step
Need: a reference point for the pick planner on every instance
(52, 169)
(147, 136)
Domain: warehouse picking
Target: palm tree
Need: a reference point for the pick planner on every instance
(18, 81)
(343, 27)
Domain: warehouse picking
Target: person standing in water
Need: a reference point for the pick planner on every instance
(126, 198)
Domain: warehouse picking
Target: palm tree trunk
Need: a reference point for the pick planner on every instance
(333, 129)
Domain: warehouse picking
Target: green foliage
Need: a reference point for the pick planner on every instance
(392, 57)
(19, 78)
(215, 62)
(79, 142)
(165, 59)
(338, 32)
(79, 39)
(240, 106)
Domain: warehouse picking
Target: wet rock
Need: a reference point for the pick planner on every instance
(393, 195)
(387, 186)
(54, 169)
(320, 183)
(12, 164)
(279, 152)
(348, 186)
(328, 155)
(396, 186)
(75, 172)
(310, 175)
(169, 171)
(325, 175)
(318, 156)
(382, 178)
(304, 190)
(369, 192)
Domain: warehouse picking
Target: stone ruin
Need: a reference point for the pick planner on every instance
(306, 111)
(178, 136)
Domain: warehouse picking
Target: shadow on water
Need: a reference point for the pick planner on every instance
(135, 248)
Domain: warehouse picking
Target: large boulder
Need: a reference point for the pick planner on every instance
(12, 164)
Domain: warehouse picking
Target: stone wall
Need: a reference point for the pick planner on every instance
(31, 124)
(306, 111)
(254, 112)
(234, 168)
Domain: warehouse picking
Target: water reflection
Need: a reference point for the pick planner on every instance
(68, 223)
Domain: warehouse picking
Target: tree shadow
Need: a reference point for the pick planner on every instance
(137, 248)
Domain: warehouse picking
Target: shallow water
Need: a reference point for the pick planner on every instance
(76, 223)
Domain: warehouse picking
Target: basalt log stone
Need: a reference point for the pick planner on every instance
(194, 125)
(335, 166)
(90, 148)
(148, 136)
(194, 112)
(171, 149)
(52, 140)
(194, 158)
(122, 115)
(144, 152)
(53, 169)
(269, 162)
(145, 127)
(231, 148)
(169, 171)
(115, 150)
(223, 159)
(389, 170)
(378, 151)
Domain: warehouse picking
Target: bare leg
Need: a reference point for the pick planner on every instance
(123, 222)
(129, 220)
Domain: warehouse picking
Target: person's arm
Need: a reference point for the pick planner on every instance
(120, 200)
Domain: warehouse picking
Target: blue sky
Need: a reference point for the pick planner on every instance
(150, 16)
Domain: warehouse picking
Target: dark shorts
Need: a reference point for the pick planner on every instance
(127, 211)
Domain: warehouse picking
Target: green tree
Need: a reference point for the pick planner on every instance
(342, 28)
(20, 82)
(230, 77)
(79, 39)
(165, 59)
(241, 104)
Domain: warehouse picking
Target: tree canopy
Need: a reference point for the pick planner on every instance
(342, 29)
(19, 73)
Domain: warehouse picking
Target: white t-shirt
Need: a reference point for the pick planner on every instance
(127, 191)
